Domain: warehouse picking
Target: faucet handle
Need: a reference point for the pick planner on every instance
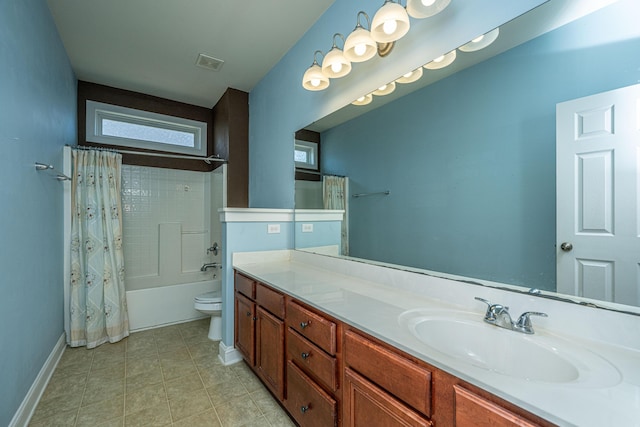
(523, 324)
(491, 309)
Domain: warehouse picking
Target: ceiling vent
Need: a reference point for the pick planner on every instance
(209, 62)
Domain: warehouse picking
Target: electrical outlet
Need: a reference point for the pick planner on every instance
(307, 228)
(273, 228)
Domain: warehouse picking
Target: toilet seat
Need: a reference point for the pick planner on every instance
(209, 297)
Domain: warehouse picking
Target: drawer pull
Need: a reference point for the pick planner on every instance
(305, 356)
(304, 409)
(248, 313)
(304, 324)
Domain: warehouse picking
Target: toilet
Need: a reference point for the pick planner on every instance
(211, 304)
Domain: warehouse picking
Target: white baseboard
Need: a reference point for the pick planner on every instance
(28, 405)
(228, 355)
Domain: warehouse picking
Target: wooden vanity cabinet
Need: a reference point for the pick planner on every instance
(259, 331)
(313, 367)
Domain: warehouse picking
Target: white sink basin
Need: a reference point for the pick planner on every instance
(535, 358)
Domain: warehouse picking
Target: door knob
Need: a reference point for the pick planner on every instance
(566, 246)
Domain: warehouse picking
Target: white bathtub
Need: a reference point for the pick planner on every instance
(165, 305)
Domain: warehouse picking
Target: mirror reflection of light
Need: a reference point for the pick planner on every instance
(382, 88)
(478, 39)
(439, 59)
(407, 75)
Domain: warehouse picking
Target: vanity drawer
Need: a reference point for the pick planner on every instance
(271, 300)
(312, 359)
(309, 405)
(470, 408)
(314, 327)
(396, 374)
(245, 286)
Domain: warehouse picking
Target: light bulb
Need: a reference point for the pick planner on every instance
(336, 67)
(362, 98)
(383, 87)
(389, 26)
(315, 82)
(439, 59)
(428, 3)
(409, 74)
(478, 39)
(360, 49)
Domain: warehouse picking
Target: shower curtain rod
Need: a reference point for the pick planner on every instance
(207, 160)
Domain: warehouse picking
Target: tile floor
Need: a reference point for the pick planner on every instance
(168, 376)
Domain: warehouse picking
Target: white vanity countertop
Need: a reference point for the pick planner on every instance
(375, 306)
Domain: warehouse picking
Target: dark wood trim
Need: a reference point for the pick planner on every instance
(302, 175)
(231, 141)
(140, 101)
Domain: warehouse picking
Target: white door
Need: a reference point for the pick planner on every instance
(597, 159)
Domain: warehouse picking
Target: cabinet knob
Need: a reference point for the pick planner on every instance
(304, 324)
(304, 409)
(248, 313)
(305, 356)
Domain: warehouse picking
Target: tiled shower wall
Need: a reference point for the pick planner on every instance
(168, 225)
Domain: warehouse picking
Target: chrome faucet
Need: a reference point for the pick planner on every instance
(498, 315)
(210, 265)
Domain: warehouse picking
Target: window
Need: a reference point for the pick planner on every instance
(115, 125)
(306, 155)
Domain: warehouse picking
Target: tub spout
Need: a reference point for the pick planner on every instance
(209, 265)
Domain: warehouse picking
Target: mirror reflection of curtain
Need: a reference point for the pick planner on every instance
(334, 196)
(98, 308)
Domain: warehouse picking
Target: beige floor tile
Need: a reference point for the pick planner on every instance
(100, 412)
(205, 419)
(73, 355)
(81, 367)
(279, 418)
(134, 382)
(175, 356)
(189, 404)
(144, 397)
(111, 348)
(140, 366)
(179, 386)
(240, 412)
(224, 392)
(143, 353)
(59, 419)
(108, 370)
(156, 416)
(217, 375)
(172, 369)
(204, 349)
(101, 386)
(116, 422)
(264, 400)
(108, 362)
(170, 345)
(247, 377)
(51, 407)
(208, 361)
(61, 385)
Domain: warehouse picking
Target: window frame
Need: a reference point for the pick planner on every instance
(97, 111)
(312, 149)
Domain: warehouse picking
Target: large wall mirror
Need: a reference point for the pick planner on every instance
(458, 175)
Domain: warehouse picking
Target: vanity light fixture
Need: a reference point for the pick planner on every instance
(426, 8)
(314, 79)
(411, 76)
(390, 23)
(335, 65)
(385, 89)
(481, 42)
(360, 46)
(441, 61)
(363, 100)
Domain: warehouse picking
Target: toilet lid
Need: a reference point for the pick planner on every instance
(214, 296)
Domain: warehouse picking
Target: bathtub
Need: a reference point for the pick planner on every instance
(165, 305)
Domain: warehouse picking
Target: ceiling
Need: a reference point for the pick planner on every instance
(151, 46)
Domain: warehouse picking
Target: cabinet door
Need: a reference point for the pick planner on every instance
(368, 405)
(245, 332)
(270, 351)
(307, 402)
(472, 410)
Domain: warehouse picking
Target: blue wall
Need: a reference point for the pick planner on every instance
(279, 105)
(470, 160)
(245, 237)
(37, 117)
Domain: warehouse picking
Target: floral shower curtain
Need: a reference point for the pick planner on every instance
(98, 305)
(334, 191)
